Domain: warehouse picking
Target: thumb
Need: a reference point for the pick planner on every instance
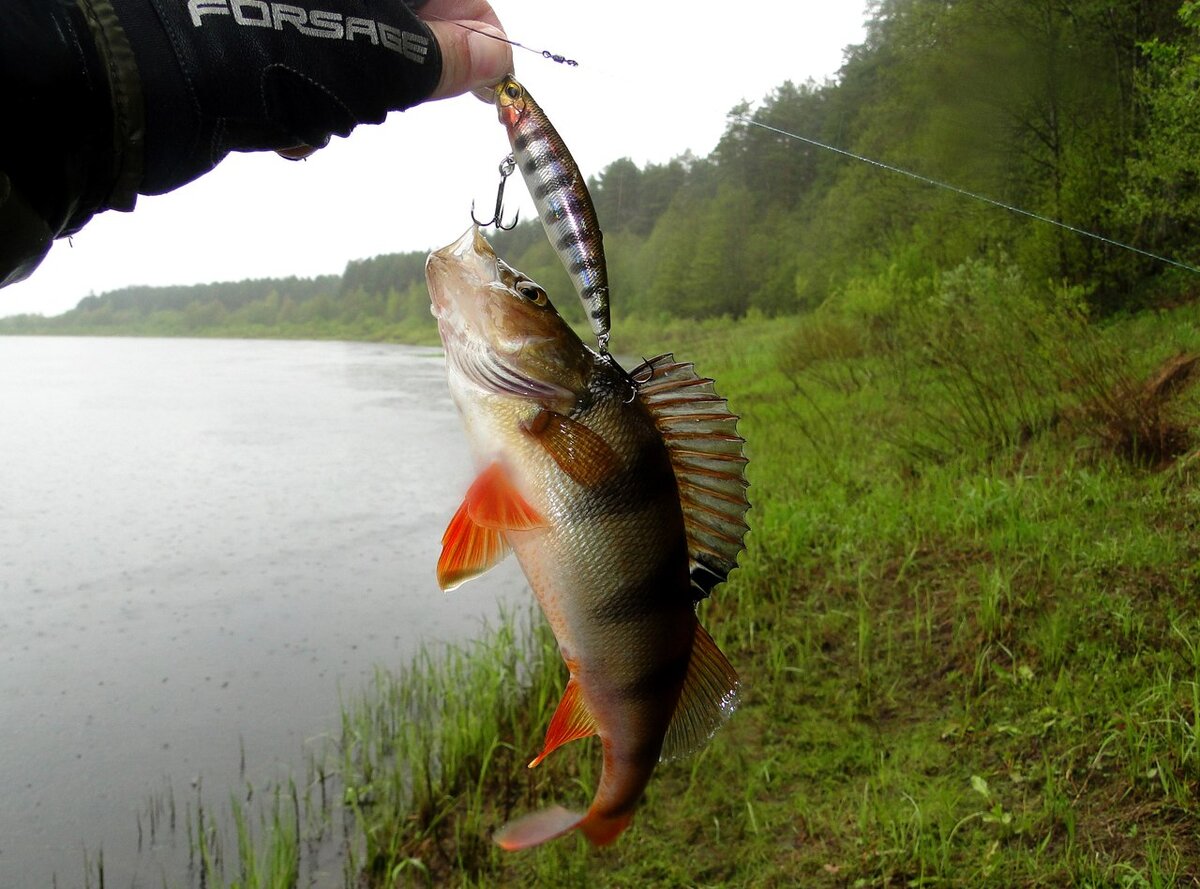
(470, 59)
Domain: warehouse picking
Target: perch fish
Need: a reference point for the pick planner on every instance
(623, 497)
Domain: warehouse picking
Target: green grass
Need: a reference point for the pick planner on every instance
(972, 667)
(966, 625)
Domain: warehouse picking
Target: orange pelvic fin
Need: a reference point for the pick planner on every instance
(494, 502)
(535, 829)
(707, 700)
(474, 541)
(579, 452)
(468, 550)
(572, 720)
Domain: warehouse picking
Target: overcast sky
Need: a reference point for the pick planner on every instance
(654, 80)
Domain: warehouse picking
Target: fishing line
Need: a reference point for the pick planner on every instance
(969, 194)
(544, 53)
(925, 180)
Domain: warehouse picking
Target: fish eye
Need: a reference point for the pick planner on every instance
(531, 292)
(512, 91)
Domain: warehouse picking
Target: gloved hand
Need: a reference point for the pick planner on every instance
(107, 99)
(243, 75)
(470, 59)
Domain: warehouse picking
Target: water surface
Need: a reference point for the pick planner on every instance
(201, 542)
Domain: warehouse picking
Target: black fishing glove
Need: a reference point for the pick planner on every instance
(235, 75)
(104, 99)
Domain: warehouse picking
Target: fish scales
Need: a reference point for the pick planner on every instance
(562, 198)
(577, 479)
(626, 655)
(597, 543)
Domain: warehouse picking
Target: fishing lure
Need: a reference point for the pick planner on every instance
(562, 199)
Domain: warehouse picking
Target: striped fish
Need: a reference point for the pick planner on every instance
(563, 202)
(624, 500)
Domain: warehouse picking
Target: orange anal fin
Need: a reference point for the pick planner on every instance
(535, 829)
(468, 550)
(579, 452)
(571, 721)
(494, 502)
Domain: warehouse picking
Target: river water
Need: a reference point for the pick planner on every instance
(202, 544)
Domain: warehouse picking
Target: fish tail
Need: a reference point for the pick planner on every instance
(548, 824)
(535, 829)
(602, 830)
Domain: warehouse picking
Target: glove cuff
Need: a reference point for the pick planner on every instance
(128, 130)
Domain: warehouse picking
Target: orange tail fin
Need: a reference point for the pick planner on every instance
(548, 824)
(538, 828)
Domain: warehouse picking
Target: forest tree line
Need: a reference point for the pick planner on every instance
(1085, 111)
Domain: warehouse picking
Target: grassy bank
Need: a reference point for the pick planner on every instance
(966, 625)
(416, 331)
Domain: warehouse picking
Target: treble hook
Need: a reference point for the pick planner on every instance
(506, 169)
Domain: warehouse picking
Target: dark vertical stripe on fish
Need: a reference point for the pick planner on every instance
(563, 180)
(659, 680)
(664, 590)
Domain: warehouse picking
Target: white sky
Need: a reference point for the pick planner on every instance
(654, 80)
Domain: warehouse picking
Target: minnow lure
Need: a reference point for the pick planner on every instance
(562, 199)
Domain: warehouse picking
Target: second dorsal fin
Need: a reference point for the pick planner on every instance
(707, 455)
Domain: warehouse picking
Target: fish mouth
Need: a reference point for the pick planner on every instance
(469, 261)
(468, 299)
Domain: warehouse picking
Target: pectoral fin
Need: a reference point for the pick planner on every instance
(572, 720)
(579, 452)
(474, 539)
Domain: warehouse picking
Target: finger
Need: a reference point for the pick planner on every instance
(296, 152)
(470, 59)
(459, 11)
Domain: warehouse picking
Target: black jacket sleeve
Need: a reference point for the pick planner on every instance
(106, 99)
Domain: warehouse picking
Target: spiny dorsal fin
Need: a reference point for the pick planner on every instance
(706, 452)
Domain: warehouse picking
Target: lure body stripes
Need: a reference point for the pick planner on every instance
(562, 199)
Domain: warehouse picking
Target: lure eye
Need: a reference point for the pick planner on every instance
(531, 292)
